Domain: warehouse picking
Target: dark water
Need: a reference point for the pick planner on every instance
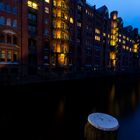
(59, 110)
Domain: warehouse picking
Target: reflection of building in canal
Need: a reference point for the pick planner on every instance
(91, 133)
(122, 99)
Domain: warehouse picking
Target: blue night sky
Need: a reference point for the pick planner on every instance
(129, 10)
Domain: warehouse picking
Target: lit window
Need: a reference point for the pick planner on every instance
(79, 24)
(8, 22)
(46, 10)
(97, 31)
(71, 20)
(48, 1)
(2, 55)
(32, 4)
(112, 55)
(97, 38)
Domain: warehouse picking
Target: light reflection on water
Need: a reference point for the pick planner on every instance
(119, 98)
(63, 115)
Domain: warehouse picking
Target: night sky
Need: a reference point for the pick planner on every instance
(129, 10)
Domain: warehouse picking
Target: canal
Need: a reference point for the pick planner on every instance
(59, 110)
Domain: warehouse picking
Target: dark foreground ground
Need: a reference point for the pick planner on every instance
(59, 109)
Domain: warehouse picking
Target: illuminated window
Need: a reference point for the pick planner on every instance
(8, 22)
(79, 24)
(123, 47)
(48, 1)
(54, 3)
(112, 56)
(104, 34)
(127, 48)
(46, 10)
(71, 20)
(97, 31)
(32, 4)
(2, 55)
(135, 48)
(124, 41)
(97, 38)
(114, 16)
(112, 43)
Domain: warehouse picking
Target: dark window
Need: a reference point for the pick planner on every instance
(2, 38)
(2, 55)
(9, 39)
(2, 20)
(14, 40)
(32, 17)
(1, 6)
(15, 58)
(15, 10)
(8, 8)
(32, 29)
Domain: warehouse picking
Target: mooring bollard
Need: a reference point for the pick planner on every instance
(101, 126)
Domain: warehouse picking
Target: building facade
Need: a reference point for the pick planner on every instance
(9, 35)
(65, 35)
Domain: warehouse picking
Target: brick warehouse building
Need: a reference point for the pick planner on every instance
(64, 35)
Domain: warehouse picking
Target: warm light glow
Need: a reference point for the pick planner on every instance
(71, 20)
(97, 31)
(114, 63)
(112, 42)
(135, 48)
(61, 59)
(32, 4)
(97, 38)
(112, 56)
(61, 31)
(114, 16)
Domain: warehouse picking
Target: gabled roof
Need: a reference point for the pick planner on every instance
(102, 9)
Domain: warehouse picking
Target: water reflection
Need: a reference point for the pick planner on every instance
(123, 101)
(64, 115)
(119, 98)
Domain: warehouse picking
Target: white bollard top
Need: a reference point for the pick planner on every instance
(103, 121)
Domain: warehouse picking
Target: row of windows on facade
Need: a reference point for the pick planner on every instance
(33, 18)
(7, 55)
(9, 39)
(7, 8)
(87, 11)
(33, 30)
(8, 22)
(34, 5)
